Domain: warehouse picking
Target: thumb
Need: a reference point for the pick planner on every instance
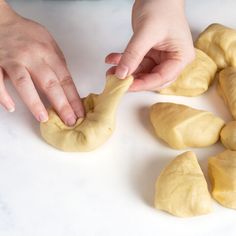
(138, 46)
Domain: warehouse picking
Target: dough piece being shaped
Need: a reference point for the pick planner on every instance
(97, 126)
(195, 78)
(181, 188)
(181, 126)
(218, 42)
(227, 88)
(222, 173)
(228, 135)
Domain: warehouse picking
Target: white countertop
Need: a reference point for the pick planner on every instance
(108, 192)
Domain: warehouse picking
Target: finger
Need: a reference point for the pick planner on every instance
(111, 71)
(113, 58)
(21, 80)
(160, 76)
(134, 53)
(48, 82)
(68, 86)
(145, 66)
(5, 98)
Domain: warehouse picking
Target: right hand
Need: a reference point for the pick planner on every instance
(30, 58)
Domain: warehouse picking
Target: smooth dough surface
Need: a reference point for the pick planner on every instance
(219, 42)
(222, 173)
(181, 126)
(195, 78)
(227, 88)
(228, 135)
(181, 188)
(97, 126)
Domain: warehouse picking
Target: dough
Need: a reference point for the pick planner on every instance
(227, 88)
(182, 126)
(181, 188)
(218, 42)
(98, 125)
(222, 172)
(195, 78)
(228, 135)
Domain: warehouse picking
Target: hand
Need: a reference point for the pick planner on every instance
(31, 59)
(161, 45)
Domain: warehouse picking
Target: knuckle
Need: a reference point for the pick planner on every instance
(67, 80)
(132, 54)
(20, 80)
(50, 84)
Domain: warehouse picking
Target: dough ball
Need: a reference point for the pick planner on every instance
(228, 135)
(218, 42)
(97, 126)
(227, 88)
(181, 188)
(181, 126)
(195, 78)
(222, 172)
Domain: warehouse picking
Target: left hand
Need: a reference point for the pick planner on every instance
(161, 45)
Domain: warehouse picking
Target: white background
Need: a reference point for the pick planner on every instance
(45, 192)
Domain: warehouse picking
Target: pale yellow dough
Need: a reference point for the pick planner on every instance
(219, 42)
(222, 172)
(181, 188)
(195, 78)
(97, 126)
(228, 135)
(227, 88)
(181, 126)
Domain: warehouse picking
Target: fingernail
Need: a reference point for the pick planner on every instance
(122, 72)
(11, 108)
(43, 117)
(71, 120)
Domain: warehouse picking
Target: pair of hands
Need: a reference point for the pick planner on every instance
(159, 49)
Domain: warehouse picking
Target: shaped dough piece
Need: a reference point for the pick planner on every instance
(98, 125)
(227, 88)
(181, 188)
(218, 42)
(181, 126)
(222, 173)
(195, 78)
(228, 135)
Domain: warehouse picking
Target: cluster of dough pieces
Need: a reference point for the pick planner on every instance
(181, 188)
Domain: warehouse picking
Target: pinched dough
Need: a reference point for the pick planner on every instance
(181, 188)
(98, 124)
(182, 126)
(227, 88)
(222, 172)
(195, 78)
(228, 135)
(218, 42)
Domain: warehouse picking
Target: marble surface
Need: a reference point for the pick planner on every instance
(108, 192)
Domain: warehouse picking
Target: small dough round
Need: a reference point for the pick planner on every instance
(195, 78)
(97, 126)
(181, 188)
(222, 173)
(228, 135)
(181, 126)
(218, 42)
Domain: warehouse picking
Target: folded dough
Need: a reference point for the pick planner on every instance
(218, 42)
(182, 126)
(228, 135)
(222, 173)
(195, 78)
(227, 88)
(181, 188)
(98, 124)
